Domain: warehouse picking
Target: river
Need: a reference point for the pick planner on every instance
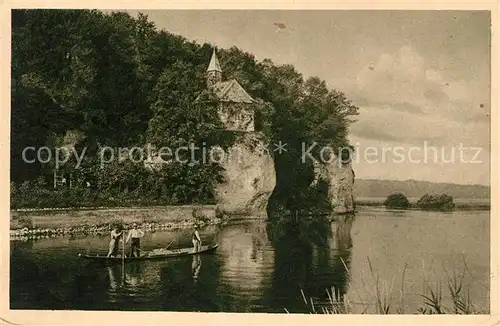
(264, 267)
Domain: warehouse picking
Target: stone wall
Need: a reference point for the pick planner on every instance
(237, 116)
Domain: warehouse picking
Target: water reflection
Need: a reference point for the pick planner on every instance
(133, 280)
(311, 254)
(248, 259)
(340, 233)
(196, 267)
(133, 277)
(115, 278)
(259, 267)
(340, 241)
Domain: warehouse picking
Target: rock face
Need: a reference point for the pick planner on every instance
(249, 176)
(340, 177)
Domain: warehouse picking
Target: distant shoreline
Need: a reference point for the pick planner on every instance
(461, 204)
(416, 189)
(427, 181)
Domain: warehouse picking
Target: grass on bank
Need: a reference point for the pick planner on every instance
(381, 299)
(75, 218)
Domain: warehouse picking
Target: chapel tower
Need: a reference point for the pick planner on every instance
(214, 72)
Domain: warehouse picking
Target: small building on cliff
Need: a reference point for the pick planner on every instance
(249, 177)
(236, 108)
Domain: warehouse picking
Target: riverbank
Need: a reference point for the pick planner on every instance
(57, 222)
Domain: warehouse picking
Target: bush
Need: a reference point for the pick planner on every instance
(28, 195)
(397, 200)
(436, 202)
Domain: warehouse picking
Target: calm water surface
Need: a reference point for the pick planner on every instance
(260, 267)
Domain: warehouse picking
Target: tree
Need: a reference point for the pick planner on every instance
(397, 200)
(436, 202)
(121, 82)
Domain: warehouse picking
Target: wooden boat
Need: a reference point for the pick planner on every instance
(153, 254)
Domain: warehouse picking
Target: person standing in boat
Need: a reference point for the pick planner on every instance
(135, 234)
(116, 234)
(196, 239)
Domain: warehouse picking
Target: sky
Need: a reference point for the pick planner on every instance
(421, 79)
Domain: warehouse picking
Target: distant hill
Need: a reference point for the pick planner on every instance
(413, 188)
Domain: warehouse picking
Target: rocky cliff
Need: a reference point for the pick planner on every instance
(249, 176)
(340, 177)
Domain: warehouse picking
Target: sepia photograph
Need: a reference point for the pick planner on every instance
(251, 161)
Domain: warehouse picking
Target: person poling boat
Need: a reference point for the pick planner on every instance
(196, 239)
(116, 235)
(135, 234)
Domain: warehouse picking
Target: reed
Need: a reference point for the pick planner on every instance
(379, 296)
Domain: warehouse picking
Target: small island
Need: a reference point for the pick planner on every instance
(397, 200)
(439, 202)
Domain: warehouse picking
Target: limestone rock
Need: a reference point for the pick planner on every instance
(340, 177)
(249, 176)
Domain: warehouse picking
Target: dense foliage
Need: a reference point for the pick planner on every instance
(89, 80)
(436, 202)
(397, 200)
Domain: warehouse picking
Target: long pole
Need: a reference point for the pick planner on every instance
(123, 256)
(169, 244)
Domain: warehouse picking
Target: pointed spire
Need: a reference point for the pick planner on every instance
(214, 63)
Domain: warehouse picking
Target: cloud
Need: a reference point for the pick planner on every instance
(403, 106)
(394, 78)
(404, 77)
(373, 131)
(404, 99)
(383, 123)
(406, 107)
